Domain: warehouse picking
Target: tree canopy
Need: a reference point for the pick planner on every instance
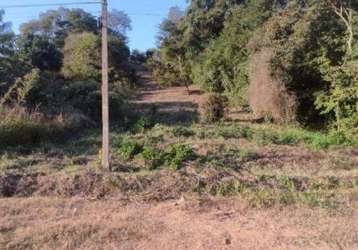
(56, 59)
(313, 54)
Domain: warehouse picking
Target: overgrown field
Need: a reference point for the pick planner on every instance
(266, 165)
(178, 182)
(168, 180)
(239, 131)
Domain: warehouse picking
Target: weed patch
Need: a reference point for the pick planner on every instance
(177, 155)
(128, 149)
(235, 132)
(286, 136)
(141, 125)
(153, 158)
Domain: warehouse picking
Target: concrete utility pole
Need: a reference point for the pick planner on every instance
(105, 106)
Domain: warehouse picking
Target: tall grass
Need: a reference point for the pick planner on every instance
(21, 127)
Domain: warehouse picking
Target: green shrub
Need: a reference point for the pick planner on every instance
(245, 132)
(153, 158)
(286, 183)
(19, 127)
(321, 141)
(228, 132)
(227, 188)
(178, 154)
(142, 124)
(295, 136)
(214, 108)
(236, 132)
(288, 138)
(27, 133)
(153, 139)
(338, 138)
(128, 149)
(260, 197)
(19, 133)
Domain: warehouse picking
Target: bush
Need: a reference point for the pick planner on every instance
(319, 141)
(163, 73)
(81, 56)
(21, 133)
(268, 96)
(128, 149)
(290, 137)
(214, 108)
(153, 158)
(142, 124)
(178, 154)
(19, 127)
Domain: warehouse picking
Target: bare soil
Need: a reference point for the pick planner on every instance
(150, 92)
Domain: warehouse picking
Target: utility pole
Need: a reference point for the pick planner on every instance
(105, 106)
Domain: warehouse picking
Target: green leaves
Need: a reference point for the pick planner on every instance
(342, 97)
(81, 56)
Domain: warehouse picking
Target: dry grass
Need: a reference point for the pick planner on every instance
(22, 127)
(52, 223)
(18, 113)
(268, 96)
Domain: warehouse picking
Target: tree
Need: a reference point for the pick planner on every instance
(119, 22)
(138, 57)
(81, 56)
(6, 36)
(57, 24)
(208, 45)
(314, 53)
(40, 52)
(8, 70)
(342, 95)
(344, 9)
(175, 14)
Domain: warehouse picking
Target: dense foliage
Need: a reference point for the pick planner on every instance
(313, 57)
(50, 76)
(53, 65)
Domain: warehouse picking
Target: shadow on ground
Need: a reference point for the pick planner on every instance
(170, 113)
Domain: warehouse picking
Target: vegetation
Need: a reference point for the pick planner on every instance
(214, 108)
(51, 71)
(276, 167)
(263, 114)
(292, 61)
